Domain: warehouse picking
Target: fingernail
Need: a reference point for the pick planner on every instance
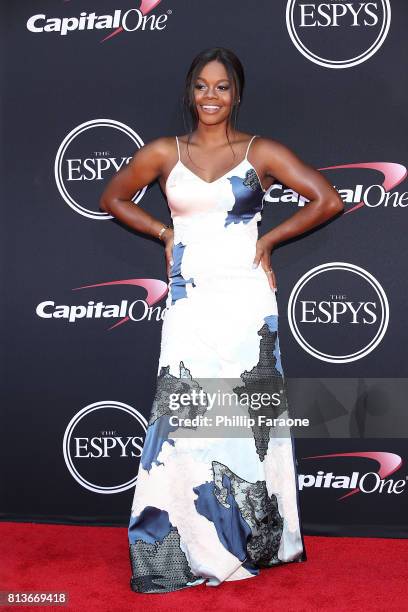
(171, 262)
(254, 265)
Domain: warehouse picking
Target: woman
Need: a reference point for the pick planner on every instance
(214, 505)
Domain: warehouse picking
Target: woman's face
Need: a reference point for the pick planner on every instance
(213, 93)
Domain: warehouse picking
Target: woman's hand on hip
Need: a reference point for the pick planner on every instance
(168, 240)
(263, 256)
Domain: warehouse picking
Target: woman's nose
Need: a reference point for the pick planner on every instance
(211, 93)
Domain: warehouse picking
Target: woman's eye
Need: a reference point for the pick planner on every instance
(222, 87)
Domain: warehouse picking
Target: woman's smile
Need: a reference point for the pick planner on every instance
(210, 108)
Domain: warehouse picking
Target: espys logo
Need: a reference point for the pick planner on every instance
(101, 442)
(338, 312)
(368, 482)
(364, 193)
(130, 21)
(137, 310)
(338, 34)
(90, 155)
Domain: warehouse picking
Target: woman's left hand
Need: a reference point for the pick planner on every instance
(263, 256)
(168, 239)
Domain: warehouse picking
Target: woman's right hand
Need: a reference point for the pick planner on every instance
(168, 239)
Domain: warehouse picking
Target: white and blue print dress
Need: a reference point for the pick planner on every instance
(210, 508)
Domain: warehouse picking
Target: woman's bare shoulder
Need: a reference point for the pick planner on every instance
(274, 150)
(271, 144)
(157, 153)
(161, 146)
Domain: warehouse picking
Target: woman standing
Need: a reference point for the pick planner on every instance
(212, 503)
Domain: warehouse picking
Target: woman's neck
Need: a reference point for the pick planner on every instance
(212, 135)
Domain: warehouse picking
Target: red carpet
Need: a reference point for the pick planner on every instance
(92, 565)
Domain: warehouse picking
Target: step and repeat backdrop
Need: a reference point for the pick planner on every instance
(85, 84)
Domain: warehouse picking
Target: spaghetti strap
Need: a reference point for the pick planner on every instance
(178, 147)
(249, 144)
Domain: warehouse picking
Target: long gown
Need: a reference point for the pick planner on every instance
(215, 504)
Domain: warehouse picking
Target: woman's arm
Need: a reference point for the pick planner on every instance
(280, 162)
(145, 166)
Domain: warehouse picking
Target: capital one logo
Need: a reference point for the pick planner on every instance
(102, 444)
(366, 482)
(358, 193)
(124, 311)
(131, 20)
(338, 34)
(338, 312)
(86, 160)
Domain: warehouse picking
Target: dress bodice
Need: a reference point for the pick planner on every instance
(237, 195)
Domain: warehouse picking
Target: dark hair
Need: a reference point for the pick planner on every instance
(235, 73)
